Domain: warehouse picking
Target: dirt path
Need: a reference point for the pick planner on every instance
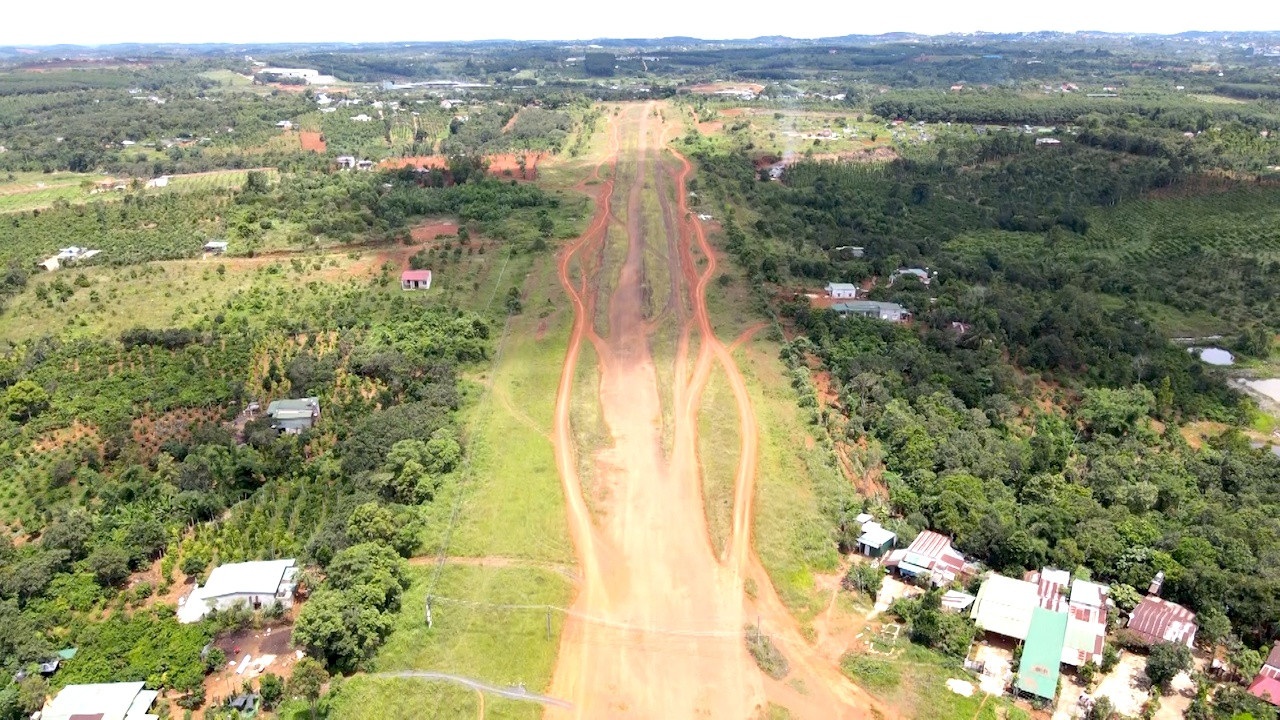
(657, 629)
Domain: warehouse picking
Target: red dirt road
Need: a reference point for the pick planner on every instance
(658, 626)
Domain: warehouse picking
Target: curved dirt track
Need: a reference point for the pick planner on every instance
(669, 615)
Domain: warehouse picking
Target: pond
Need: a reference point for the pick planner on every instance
(1213, 355)
(1269, 387)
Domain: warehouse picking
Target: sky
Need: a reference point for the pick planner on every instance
(94, 22)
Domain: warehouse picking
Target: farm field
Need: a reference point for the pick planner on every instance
(37, 191)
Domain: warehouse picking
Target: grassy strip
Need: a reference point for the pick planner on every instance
(718, 445)
(501, 647)
(515, 506)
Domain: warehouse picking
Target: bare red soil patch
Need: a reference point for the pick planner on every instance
(433, 229)
(312, 141)
(506, 165)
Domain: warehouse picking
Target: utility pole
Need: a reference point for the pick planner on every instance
(429, 625)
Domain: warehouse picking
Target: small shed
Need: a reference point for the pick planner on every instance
(875, 540)
(215, 247)
(415, 280)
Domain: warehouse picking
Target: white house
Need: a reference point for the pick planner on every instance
(158, 182)
(254, 583)
(844, 291)
(101, 701)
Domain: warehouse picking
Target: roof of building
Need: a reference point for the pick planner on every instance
(1051, 586)
(866, 307)
(1271, 668)
(956, 600)
(931, 549)
(1004, 606)
(1091, 594)
(294, 409)
(106, 701)
(1267, 688)
(416, 275)
(874, 535)
(1086, 634)
(262, 577)
(841, 286)
(1157, 620)
(216, 244)
(1038, 671)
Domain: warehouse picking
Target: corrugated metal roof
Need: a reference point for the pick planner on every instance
(875, 536)
(1157, 620)
(1004, 606)
(1038, 671)
(1271, 668)
(262, 577)
(1086, 633)
(415, 275)
(1088, 593)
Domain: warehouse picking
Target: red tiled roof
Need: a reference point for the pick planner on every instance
(1266, 688)
(1156, 620)
(415, 275)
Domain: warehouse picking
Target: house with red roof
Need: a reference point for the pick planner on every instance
(1156, 620)
(415, 280)
(929, 555)
(1266, 684)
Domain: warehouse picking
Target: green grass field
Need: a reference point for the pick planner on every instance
(499, 647)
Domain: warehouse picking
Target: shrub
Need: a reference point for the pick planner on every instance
(766, 654)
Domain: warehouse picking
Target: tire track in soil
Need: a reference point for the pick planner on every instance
(647, 561)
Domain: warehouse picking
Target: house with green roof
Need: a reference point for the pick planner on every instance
(294, 416)
(1038, 672)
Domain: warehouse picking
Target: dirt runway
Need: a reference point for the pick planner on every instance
(665, 635)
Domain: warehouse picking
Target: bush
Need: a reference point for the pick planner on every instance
(863, 578)
(766, 654)
(872, 673)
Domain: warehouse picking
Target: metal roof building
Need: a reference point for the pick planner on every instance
(929, 554)
(1156, 620)
(875, 539)
(253, 583)
(1038, 672)
(101, 701)
(892, 312)
(1266, 684)
(294, 416)
(1004, 606)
